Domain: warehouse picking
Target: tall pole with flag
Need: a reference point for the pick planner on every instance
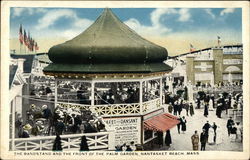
(25, 39)
(219, 40)
(20, 36)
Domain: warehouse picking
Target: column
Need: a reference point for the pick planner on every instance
(230, 79)
(13, 124)
(56, 84)
(140, 97)
(161, 95)
(92, 93)
(190, 72)
(218, 65)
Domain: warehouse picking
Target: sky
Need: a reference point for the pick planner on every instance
(173, 28)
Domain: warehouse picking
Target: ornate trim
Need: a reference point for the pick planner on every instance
(104, 76)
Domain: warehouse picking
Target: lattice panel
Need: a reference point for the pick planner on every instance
(150, 105)
(118, 109)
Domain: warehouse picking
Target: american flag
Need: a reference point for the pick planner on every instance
(21, 34)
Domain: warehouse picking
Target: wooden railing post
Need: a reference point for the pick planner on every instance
(111, 140)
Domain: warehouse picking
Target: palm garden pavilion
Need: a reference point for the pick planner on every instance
(113, 72)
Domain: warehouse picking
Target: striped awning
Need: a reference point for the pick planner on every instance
(161, 122)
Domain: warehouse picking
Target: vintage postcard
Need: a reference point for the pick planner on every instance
(119, 80)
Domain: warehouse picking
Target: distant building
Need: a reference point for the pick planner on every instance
(210, 65)
(23, 68)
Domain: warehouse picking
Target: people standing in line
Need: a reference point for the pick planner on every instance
(229, 125)
(195, 141)
(191, 109)
(203, 140)
(168, 139)
(206, 109)
(183, 124)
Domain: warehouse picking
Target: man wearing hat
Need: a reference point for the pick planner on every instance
(46, 112)
(26, 129)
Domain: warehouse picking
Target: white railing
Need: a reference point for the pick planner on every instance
(96, 141)
(118, 109)
(151, 105)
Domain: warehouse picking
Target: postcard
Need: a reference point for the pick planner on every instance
(125, 79)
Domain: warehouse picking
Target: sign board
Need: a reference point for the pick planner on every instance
(127, 129)
(232, 61)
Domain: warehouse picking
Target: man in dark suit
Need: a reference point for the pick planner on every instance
(206, 128)
(230, 123)
(59, 128)
(203, 140)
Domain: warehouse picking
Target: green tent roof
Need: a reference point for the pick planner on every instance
(107, 43)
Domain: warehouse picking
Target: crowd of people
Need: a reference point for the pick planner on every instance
(41, 120)
(127, 147)
(63, 120)
(211, 134)
(217, 100)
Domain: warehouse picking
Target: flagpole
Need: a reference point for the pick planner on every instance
(20, 47)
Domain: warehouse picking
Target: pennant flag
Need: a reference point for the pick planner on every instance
(219, 40)
(29, 41)
(21, 34)
(192, 48)
(25, 39)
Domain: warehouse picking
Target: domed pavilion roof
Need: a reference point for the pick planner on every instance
(108, 46)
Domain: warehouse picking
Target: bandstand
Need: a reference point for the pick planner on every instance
(113, 72)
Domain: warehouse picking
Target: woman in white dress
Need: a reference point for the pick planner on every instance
(238, 131)
(210, 106)
(211, 136)
(218, 136)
